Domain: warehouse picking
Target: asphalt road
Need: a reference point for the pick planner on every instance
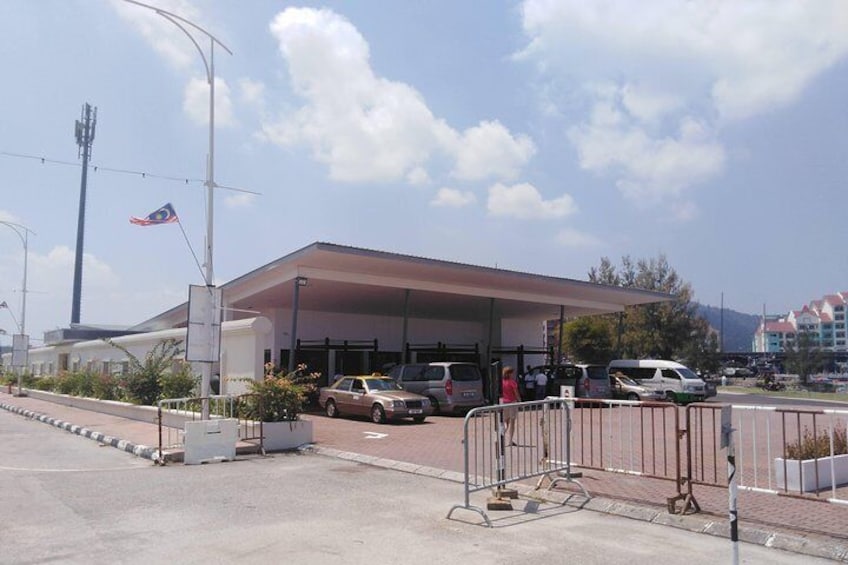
(65, 499)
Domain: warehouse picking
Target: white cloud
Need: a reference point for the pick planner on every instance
(162, 35)
(367, 128)
(524, 202)
(490, 150)
(661, 80)
(650, 168)
(196, 102)
(452, 198)
(575, 239)
(418, 176)
(239, 200)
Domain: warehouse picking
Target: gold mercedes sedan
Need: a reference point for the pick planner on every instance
(380, 398)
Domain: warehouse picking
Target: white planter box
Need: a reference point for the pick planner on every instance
(797, 470)
(280, 436)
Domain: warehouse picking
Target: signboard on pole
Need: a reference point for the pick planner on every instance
(203, 339)
(20, 350)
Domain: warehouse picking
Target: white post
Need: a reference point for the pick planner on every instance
(206, 367)
(727, 441)
(18, 228)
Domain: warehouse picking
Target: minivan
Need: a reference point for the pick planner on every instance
(589, 381)
(677, 382)
(450, 386)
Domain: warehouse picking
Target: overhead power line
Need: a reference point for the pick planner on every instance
(142, 174)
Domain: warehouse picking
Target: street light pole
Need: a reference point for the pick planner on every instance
(23, 233)
(209, 65)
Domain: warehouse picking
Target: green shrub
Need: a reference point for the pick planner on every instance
(816, 447)
(179, 383)
(45, 382)
(142, 384)
(141, 388)
(77, 383)
(106, 387)
(279, 397)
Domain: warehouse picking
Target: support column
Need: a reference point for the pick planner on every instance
(404, 335)
(559, 334)
(298, 282)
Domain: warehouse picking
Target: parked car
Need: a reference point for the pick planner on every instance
(589, 381)
(733, 371)
(378, 397)
(623, 387)
(676, 381)
(450, 386)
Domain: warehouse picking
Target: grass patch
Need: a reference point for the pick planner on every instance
(802, 394)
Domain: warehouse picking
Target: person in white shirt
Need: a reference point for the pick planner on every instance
(541, 385)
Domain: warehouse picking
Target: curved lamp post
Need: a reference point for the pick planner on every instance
(209, 65)
(23, 233)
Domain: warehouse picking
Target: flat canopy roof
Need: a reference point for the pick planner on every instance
(352, 280)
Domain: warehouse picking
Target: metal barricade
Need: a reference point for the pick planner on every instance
(173, 413)
(538, 446)
(629, 437)
(768, 441)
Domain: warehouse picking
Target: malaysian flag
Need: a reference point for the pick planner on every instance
(164, 215)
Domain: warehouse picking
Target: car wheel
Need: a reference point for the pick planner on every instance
(331, 410)
(378, 415)
(632, 396)
(435, 404)
(418, 419)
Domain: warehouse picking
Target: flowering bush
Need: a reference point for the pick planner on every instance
(280, 397)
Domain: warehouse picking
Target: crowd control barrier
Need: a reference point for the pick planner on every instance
(786, 451)
(175, 412)
(538, 447)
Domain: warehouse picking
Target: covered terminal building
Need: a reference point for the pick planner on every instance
(347, 310)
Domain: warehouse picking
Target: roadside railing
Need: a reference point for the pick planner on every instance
(175, 412)
(786, 451)
(539, 446)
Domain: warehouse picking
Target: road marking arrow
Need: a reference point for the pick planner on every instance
(374, 435)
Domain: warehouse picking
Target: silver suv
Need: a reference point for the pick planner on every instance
(451, 387)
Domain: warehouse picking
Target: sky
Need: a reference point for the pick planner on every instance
(535, 135)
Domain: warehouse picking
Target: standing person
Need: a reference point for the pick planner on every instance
(541, 385)
(529, 385)
(509, 394)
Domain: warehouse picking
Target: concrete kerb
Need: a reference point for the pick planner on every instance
(143, 451)
(694, 523)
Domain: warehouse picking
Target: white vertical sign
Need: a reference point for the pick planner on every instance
(203, 339)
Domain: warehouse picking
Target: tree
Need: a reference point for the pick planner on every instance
(803, 357)
(588, 340)
(663, 330)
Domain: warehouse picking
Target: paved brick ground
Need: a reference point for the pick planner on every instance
(437, 443)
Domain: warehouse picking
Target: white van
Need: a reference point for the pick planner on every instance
(676, 381)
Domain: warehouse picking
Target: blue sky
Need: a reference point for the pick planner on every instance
(537, 136)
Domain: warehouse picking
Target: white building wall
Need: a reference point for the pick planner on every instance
(529, 333)
(388, 330)
(242, 346)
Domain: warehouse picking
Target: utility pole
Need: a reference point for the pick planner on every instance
(84, 131)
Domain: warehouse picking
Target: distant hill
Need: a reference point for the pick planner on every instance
(739, 328)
